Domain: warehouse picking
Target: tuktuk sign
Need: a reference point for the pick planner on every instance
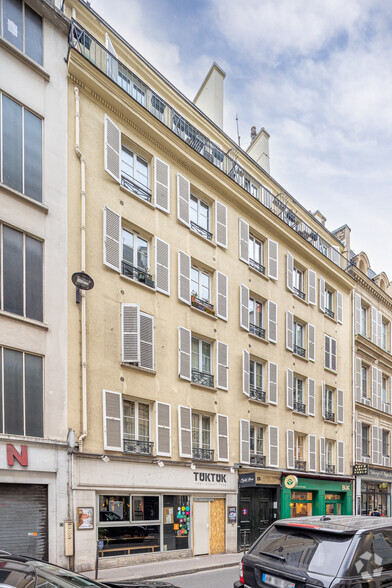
(209, 479)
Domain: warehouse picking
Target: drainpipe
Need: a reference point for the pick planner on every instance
(83, 268)
(354, 435)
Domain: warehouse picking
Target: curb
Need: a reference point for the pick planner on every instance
(171, 574)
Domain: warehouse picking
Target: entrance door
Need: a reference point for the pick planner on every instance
(217, 526)
(255, 513)
(201, 535)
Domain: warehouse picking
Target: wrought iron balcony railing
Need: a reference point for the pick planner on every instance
(299, 350)
(299, 407)
(329, 468)
(258, 331)
(329, 313)
(203, 232)
(202, 378)
(300, 465)
(329, 416)
(137, 273)
(257, 394)
(299, 293)
(137, 188)
(257, 266)
(257, 459)
(138, 446)
(86, 45)
(201, 304)
(202, 454)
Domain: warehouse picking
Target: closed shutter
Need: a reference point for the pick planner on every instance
(357, 313)
(222, 365)
(184, 353)
(322, 294)
(221, 296)
(183, 199)
(340, 457)
(244, 240)
(223, 437)
(374, 387)
(272, 322)
(162, 185)
(312, 452)
(244, 441)
(162, 266)
(311, 342)
(244, 307)
(146, 341)
(358, 435)
(358, 370)
(374, 444)
(273, 446)
(339, 307)
(290, 271)
(112, 421)
(379, 328)
(322, 454)
(335, 255)
(112, 149)
(111, 239)
(220, 224)
(323, 400)
(272, 383)
(380, 458)
(185, 429)
(327, 352)
(312, 290)
(130, 333)
(373, 316)
(163, 416)
(184, 277)
(290, 449)
(340, 406)
(289, 330)
(289, 389)
(379, 389)
(311, 397)
(272, 259)
(334, 355)
(245, 372)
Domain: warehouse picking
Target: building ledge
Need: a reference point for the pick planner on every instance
(23, 319)
(4, 44)
(25, 198)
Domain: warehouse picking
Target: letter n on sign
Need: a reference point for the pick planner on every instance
(13, 454)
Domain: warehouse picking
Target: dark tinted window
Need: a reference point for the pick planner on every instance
(13, 392)
(13, 22)
(34, 303)
(13, 271)
(114, 508)
(374, 555)
(12, 144)
(34, 395)
(33, 32)
(32, 156)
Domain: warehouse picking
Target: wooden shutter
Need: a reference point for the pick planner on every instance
(289, 389)
(272, 383)
(373, 316)
(146, 341)
(340, 406)
(374, 387)
(244, 307)
(374, 444)
(185, 429)
(111, 239)
(322, 294)
(358, 440)
(311, 342)
(312, 452)
(379, 328)
(112, 149)
(357, 313)
(327, 352)
(289, 330)
(184, 353)
(112, 421)
(222, 365)
(290, 449)
(162, 266)
(245, 372)
(244, 441)
(183, 199)
(273, 446)
(221, 296)
(323, 399)
(130, 333)
(311, 397)
(163, 416)
(379, 433)
(379, 388)
(223, 437)
(339, 307)
(322, 454)
(358, 374)
(289, 271)
(312, 291)
(220, 224)
(244, 240)
(334, 355)
(162, 185)
(272, 259)
(272, 322)
(184, 277)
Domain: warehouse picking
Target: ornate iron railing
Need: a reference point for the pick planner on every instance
(329, 313)
(299, 407)
(329, 468)
(202, 378)
(299, 350)
(329, 416)
(258, 331)
(300, 465)
(138, 446)
(202, 454)
(136, 188)
(203, 232)
(257, 266)
(257, 394)
(201, 304)
(299, 293)
(137, 273)
(257, 459)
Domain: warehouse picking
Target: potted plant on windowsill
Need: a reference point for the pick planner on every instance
(148, 279)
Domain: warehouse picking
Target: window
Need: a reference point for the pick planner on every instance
(384, 331)
(157, 107)
(256, 443)
(384, 390)
(256, 375)
(329, 303)
(21, 273)
(256, 318)
(298, 283)
(385, 443)
(136, 257)
(298, 391)
(200, 217)
(201, 437)
(201, 289)
(329, 467)
(365, 440)
(256, 254)
(21, 152)
(136, 427)
(299, 341)
(21, 404)
(330, 355)
(22, 27)
(252, 188)
(363, 321)
(364, 381)
(201, 362)
(135, 173)
(329, 405)
(299, 452)
(137, 332)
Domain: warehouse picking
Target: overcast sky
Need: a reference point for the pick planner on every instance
(315, 73)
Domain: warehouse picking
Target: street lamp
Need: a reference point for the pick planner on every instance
(82, 281)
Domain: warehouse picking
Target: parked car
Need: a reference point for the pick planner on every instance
(344, 551)
(17, 571)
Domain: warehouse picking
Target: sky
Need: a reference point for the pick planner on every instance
(316, 74)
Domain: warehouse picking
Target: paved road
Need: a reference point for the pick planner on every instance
(223, 578)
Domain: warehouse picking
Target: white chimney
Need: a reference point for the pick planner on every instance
(210, 96)
(259, 148)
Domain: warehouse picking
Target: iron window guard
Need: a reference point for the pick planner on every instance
(201, 304)
(137, 188)
(299, 350)
(138, 446)
(299, 407)
(329, 468)
(329, 313)
(257, 394)
(202, 454)
(257, 459)
(299, 293)
(203, 232)
(257, 266)
(137, 273)
(300, 465)
(202, 378)
(329, 416)
(258, 331)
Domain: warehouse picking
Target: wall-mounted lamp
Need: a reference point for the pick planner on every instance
(105, 458)
(160, 463)
(82, 281)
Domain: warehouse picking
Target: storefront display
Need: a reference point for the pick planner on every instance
(316, 497)
(375, 495)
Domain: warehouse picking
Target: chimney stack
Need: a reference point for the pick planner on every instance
(259, 147)
(210, 95)
(253, 133)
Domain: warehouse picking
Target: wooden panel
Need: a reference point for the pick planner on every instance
(217, 526)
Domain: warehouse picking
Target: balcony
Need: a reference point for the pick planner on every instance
(299, 293)
(299, 350)
(137, 273)
(203, 232)
(329, 416)
(137, 446)
(203, 379)
(258, 331)
(299, 407)
(257, 459)
(203, 305)
(257, 266)
(300, 465)
(329, 313)
(256, 394)
(136, 188)
(329, 468)
(202, 454)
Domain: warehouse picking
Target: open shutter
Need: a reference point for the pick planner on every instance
(162, 266)
(111, 239)
(184, 353)
(162, 185)
(323, 399)
(327, 352)
(146, 341)
(340, 406)
(358, 370)
(111, 60)
(289, 389)
(322, 454)
(312, 452)
(379, 328)
(163, 416)
(289, 330)
(312, 290)
(379, 388)
(184, 277)
(358, 440)
(290, 271)
(244, 240)
(245, 372)
(357, 313)
(373, 316)
(272, 322)
(311, 397)
(333, 364)
(185, 429)
(130, 333)
(374, 387)
(183, 199)
(244, 441)
(223, 437)
(290, 449)
(222, 365)
(380, 460)
(244, 307)
(339, 307)
(322, 294)
(272, 259)
(112, 149)
(112, 420)
(311, 342)
(221, 296)
(272, 383)
(340, 456)
(374, 444)
(273, 446)
(221, 224)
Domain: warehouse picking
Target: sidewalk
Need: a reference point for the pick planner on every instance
(166, 568)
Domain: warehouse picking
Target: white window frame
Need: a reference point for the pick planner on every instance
(136, 403)
(255, 439)
(364, 371)
(364, 313)
(135, 236)
(253, 242)
(199, 201)
(200, 429)
(135, 156)
(201, 341)
(199, 290)
(255, 365)
(297, 447)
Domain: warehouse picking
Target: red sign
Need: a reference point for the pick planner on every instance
(13, 454)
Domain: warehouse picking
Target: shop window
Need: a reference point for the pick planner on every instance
(301, 504)
(114, 508)
(176, 522)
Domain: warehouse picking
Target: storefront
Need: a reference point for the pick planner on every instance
(311, 496)
(373, 491)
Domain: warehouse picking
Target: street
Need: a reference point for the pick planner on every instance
(222, 578)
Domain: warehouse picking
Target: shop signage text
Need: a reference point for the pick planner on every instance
(208, 477)
(13, 454)
(247, 480)
(360, 469)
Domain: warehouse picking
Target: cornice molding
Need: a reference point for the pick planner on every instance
(372, 288)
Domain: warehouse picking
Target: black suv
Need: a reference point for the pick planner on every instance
(326, 552)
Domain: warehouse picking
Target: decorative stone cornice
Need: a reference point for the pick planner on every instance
(371, 287)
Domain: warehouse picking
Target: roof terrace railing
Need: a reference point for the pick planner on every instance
(85, 44)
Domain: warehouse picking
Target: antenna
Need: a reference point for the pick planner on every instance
(238, 131)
